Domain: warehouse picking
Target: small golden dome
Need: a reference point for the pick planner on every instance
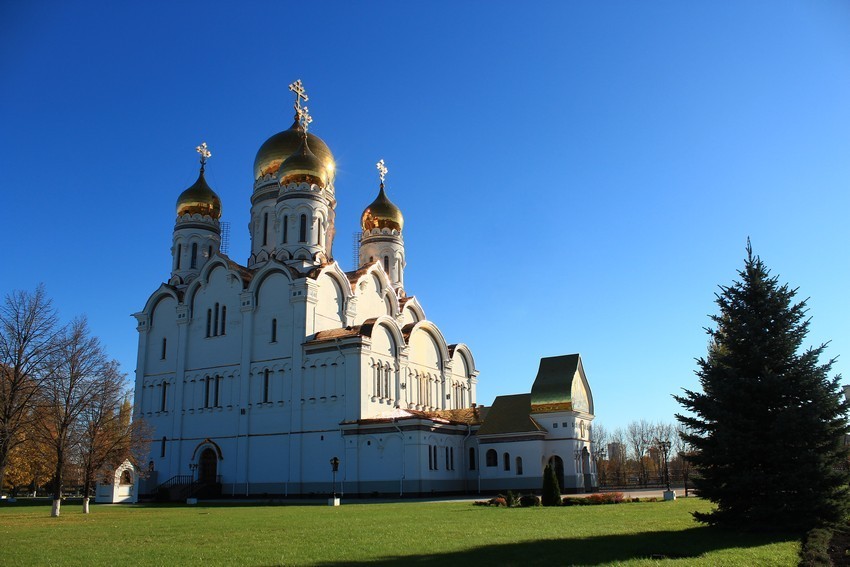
(303, 165)
(199, 199)
(382, 213)
(276, 149)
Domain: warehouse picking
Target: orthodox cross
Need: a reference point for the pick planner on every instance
(298, 88)
(304, 117)
(382, 171)
(205, 153)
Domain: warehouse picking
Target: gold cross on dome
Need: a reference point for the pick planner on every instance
(304, 117)
(204, 151)
(382, 170)
(298, 88)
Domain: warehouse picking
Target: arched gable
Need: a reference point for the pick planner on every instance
(463, 365)
(162, 291)
(386, 336)
(426, 345)
(261, 277)
(581, 395)
(375, 295)
(217, 262)
(411, 311)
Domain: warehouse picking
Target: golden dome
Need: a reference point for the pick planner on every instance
(303, 165)
(276, 149)
(199, 199)
(382, 213)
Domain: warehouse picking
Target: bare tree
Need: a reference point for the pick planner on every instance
(683, 451)
(599, 444)
(617, 454)
(77, 369)
(663, 435)
(29, 332)
(109, 436)
(639, 434)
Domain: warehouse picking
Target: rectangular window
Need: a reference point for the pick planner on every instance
(434, 448)
(266, 385)
(179, 253)
(223, 319)
(207, 392)
(285, 228)
(274, 330)
(265, 228)
(209, 321)
(430, 459)
(215, 321)
(162, 447)
(217, 390)
(163, 348)
(194, 258)
(164, 399)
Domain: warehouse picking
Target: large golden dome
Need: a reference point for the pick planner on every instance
(199, 199)
(382, 213)
(304, 165)
(276, 149)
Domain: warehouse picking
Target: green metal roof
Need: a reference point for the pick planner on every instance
(510, 414)
(552, 389)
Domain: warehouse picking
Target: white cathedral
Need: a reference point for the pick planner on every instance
(255, 378)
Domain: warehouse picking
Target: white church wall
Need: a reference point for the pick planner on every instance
(370, 298)
(329, 310)
(272, 318)
(161, 357)
(219, 295)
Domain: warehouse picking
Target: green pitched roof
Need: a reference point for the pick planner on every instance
(552, 389)
(510, 414)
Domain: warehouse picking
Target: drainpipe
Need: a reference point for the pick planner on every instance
(463, 448)
(401, 481)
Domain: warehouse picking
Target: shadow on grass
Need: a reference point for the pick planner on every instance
(680, 544)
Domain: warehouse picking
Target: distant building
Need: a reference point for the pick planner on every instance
(254, 377)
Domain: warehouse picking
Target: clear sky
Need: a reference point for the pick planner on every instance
(575, 176)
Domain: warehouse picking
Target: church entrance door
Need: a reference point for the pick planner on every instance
(208, 465)
(558, 464)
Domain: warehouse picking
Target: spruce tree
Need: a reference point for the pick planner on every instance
(768, 427)
(551, 490)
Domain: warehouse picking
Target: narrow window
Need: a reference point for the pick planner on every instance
(179, 253)
(194, 263)
(452, 460)
(435, 457)
(387, 382)
(519, 465)
(266, 385)
(164, 400)
(223, 319)
(162, 447)
(265, 228)
(448, 464)
(507, 458)
(274, 330)
(218, 391)
(163, 347)
(285, 227)
(492, 458)
(209, 251)
(302, 230)
(472, 458)
(387, 264)
(430, 459)
(207, 392)
(215, 323)
(209, 321)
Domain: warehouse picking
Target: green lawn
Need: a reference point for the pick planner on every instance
(445, 533)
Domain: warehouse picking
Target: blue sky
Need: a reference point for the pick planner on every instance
(575, 176)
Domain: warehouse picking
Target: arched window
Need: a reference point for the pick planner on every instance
(387, 382)
(215, 321)
(519, 465)
(162, 447)
(194, 263)
(492, 457)
(472, 458)
(217, 400)
(209, 321)
(285, 228)
(179, 253)
(209, 251)
(507, 459)
(387, 264)
(302, 229)
(164, 341)
(164, 399)
(265, 228)
(266, 385)
(223, 319)
(207, 385)
(274, 330)
(126, 477)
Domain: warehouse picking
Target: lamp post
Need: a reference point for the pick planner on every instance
(600, 458)
(334, 469)
(664, 446)
(192, 468)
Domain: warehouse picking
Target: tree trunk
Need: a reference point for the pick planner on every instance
(85, 504)
(57, 483)
(54, 510)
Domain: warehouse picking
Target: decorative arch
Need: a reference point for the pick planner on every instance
(460, 350)
(164, 290)
(412, 305)
(273, 267)
(390, 324)
(410, 330)
(204, 444)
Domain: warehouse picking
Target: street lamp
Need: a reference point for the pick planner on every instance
(664, 446)
(192, 467)
(334, 469)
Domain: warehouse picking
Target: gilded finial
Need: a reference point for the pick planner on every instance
(382, 171)
(298, 88)
(205, 154)
(304, 118)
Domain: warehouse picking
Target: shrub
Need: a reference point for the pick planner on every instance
(529, 501)
(815, 550)
(512, 499)
(498, 501)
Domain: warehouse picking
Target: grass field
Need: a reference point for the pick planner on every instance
(418, 533)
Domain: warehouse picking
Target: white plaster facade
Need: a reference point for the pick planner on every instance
(254, 377)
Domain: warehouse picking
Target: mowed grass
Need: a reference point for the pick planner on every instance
(420, 533)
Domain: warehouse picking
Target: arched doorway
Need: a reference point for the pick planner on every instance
(558, 464)
(207, 466)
